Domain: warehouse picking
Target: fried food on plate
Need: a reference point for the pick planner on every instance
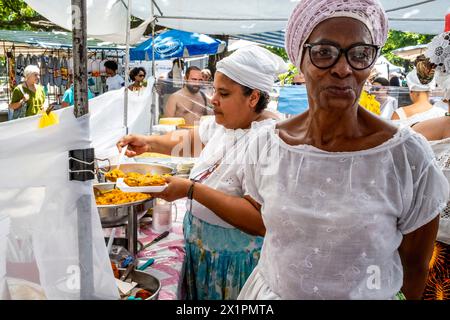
(114, 174)
(146, 180)
(116, 196)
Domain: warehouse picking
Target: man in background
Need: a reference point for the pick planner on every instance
(189, 102)
(169, 83)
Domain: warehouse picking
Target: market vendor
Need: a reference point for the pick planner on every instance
(223, 230)
(28, 98)
(350, 202)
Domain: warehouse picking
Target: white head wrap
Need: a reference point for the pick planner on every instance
(308, 14)
(414, 83)
(253, 67)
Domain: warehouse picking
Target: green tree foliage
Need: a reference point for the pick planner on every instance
(278, 51)
(17, 15)
(399, 39)
(286, 78)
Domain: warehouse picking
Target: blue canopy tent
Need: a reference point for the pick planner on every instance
(177, 44)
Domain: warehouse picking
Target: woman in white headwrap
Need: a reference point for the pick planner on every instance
(437, 131)
(350, 202)
(223, 231)
(420, 82)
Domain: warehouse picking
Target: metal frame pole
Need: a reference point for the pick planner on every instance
(154, 108)
(127, 65)
(81, 107)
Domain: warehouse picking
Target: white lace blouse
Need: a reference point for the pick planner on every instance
(335, 220)
(220, 163)
(441, 149)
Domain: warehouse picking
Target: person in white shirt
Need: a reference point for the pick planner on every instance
(420, 82)
(114, 81)
(350, 202)
(222, 229)
(388, 104)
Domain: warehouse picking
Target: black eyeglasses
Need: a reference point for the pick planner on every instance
(141, 75)
(359, 56)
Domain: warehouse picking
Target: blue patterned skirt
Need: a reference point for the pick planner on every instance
(218, 260)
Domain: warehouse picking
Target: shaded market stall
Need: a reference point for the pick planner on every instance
(52, 52)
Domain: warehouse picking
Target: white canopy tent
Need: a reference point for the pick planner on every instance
(107, 18)
(420, 16)
(385, 68)
(411, 52)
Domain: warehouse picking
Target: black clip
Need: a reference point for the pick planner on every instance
(81, 165)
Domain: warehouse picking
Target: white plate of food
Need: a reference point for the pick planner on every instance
(120, 184)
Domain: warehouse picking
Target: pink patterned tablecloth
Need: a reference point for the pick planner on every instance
(169, 254)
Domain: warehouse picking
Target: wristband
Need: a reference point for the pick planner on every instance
(190, 193)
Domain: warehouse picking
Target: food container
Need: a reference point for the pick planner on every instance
(186, 127)
(142, 168)
(145, 281)
(143, 189)
(172, 121)
(117, 215)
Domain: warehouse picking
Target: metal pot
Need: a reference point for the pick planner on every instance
(142, 168)
(117, 215)
(145, 281)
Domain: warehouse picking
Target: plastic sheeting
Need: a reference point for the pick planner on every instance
(107, 114)
(35, 192)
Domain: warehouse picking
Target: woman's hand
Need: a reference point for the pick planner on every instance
(137, 144)
(177, 188)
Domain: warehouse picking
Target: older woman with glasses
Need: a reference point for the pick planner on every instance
(350, 203)
(137, 75)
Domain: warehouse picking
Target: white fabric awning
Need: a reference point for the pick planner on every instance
(107, 18)
(421, 16)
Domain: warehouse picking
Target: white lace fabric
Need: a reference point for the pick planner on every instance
(335, 221)
(441, 149)
(226, 148)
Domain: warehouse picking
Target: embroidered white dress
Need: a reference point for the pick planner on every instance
(441, 149)
(335, 220)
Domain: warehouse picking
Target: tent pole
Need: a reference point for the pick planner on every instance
(127, 65)
(81, 107)
(154, 108)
